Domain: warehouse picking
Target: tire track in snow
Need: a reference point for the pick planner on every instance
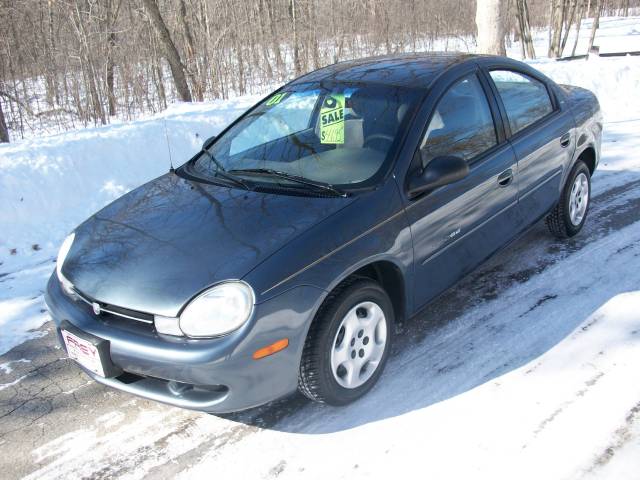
(621, 437)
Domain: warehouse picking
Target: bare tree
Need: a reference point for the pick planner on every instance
(524, 25)
(296, 50)
(192, 65)
(595, 24)
(568, 20)
(170, 51)
(70, 63)
(81, 13)
(111, 16)
(556, 24)
(4, 132)
(579, 18)
(490, 23)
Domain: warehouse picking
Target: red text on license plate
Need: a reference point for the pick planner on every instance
(83, 352)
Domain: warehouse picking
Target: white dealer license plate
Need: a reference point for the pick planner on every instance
(83, 352)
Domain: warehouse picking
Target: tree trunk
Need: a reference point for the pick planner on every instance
(313, 45)
(518, 37)
(567, 25)
(87, 65)
(578, 25)
(264, 47)
(208, 71)
(275, 38)
(50, 79)
(170, 51)
(192, 65)
(558, 9)
(296, 51)
(490, 23)
(160, 85)
(4, 132)
(111, 96)
(595, 25)
(112, 12)
(525, 29)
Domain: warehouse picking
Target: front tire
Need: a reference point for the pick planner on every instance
(348, 344)
(568, 217)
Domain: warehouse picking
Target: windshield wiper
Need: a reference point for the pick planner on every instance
(220, 170)
(294, 178)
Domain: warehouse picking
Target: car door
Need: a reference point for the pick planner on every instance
(456, 226)
(541, 136)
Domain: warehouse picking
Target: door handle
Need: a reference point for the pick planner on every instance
(565, 140)
(505, 178)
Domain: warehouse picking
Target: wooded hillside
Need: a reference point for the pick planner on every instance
(69, 63)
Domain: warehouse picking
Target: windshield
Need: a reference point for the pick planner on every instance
(332, 134)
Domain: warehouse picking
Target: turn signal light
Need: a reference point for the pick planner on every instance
(271, 349)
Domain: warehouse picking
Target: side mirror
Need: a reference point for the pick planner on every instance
(438, 172)
(208, 142)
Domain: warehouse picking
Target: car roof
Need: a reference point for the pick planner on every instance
(416, 70)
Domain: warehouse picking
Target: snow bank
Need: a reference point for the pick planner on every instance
(22, 309)
(48, 185)
(612, 79)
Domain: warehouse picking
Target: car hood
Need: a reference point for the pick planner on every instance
(156, 247)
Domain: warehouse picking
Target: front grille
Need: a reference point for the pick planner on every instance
(114, 310)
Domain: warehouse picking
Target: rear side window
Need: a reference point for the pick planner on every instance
(525, 99)
(461, 125)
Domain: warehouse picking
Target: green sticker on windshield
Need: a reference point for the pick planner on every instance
(332, 119)
(276, 99)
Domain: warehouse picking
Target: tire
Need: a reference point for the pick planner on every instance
(563, 221)
(348, 319)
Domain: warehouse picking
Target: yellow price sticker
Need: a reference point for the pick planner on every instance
(332, 119)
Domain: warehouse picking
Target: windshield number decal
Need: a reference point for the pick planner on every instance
(276, 99)
(332, 120)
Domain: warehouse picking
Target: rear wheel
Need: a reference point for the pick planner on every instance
(348, 344)
(568, 217)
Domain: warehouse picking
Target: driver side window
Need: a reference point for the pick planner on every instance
(461, 125)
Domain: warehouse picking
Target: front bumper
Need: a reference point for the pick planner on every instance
(214, 375)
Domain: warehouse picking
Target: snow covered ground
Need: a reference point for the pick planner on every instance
(527, 368)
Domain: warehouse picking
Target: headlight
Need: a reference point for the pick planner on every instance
(67, 286)
(217, 311)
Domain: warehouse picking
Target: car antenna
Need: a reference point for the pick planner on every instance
(166, 134)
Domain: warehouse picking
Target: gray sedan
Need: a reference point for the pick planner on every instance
(284, 253)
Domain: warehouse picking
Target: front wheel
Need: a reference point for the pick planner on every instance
(348, 344)
(568, 217)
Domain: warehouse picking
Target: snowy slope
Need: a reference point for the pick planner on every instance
(48, 185)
